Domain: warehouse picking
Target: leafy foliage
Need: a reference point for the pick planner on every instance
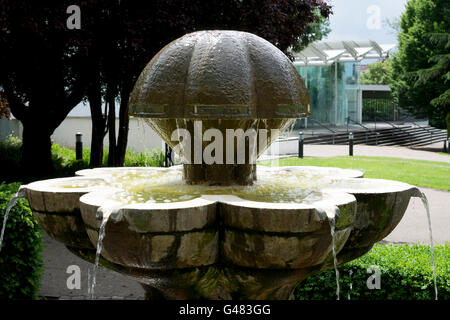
(379, 73)
(406, 274)
(65, 162)
(4, 110)
(420, 68)
(20, 258)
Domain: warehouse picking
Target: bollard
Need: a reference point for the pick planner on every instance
(79, 146)
(448, 145)
(168, 156)
(300, 145)
(445, 146)
(350, 143)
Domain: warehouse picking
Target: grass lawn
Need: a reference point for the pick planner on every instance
(416, 172)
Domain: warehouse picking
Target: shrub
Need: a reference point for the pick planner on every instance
(21, 253)
(10, 157)
(406, 274)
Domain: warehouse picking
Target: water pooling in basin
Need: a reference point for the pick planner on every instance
(163, 187)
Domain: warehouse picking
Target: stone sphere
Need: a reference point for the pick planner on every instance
(220, 75)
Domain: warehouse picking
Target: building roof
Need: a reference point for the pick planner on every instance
(328, 52)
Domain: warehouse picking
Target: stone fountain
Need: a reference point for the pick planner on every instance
(222, 229)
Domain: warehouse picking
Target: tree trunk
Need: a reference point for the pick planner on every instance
(98, 125)
(36, 150)
(124, 121)
(111, 130)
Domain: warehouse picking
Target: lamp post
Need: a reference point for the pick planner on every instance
(300, 145)
(350, 143)
(79, 146)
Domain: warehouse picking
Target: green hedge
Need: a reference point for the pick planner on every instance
(65, 162)
(406, 274)
(21, 255)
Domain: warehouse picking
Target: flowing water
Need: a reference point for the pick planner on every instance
(333, 237)
(332, 213)
(427, 208)
(10, 205)
(351, 284)
(101, 235)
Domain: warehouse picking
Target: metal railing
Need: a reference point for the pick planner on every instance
(392, 125)
(323, 126)
(430, 131)
(365, 128)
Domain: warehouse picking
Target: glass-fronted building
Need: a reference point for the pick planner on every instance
(331, 73)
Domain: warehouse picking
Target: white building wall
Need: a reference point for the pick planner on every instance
(140, 135)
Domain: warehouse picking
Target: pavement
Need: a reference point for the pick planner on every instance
(413, 228)
(290, 148)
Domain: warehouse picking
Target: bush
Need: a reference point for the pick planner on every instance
(406, 274)
(21, 254)
(10, 157)
(64, 160)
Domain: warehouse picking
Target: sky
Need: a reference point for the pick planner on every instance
(364, 19)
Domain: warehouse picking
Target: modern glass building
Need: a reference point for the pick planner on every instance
(331, 72)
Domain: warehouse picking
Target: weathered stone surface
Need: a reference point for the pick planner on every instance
(67, 228)
(278, 251)
(222, 246)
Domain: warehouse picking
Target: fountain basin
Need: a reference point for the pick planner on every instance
(210, 244)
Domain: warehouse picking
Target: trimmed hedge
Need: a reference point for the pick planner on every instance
(21, 255)
(406, 274)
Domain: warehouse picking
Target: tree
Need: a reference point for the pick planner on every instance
(315, 31)
(4, 110)
(48, 68)
(418, 51)
(379, 72)
(41, 65)
(439, 71)
(133, 33)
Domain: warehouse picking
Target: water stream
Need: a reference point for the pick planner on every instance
(10, 205)
(351, 284)
(101, 235)
(332, 213)
(427, 208)
(333, 237)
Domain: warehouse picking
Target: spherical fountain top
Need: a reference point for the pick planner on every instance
(220, 75)
(221, 81)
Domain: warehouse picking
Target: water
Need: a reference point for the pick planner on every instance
(10, 205)
(333, 237)
(101, 235)
(351, 284)
(427, 208)
(332, 213)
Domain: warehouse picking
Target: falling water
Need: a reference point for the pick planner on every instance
(427, 208)
(351, 284)
(10, 205)
(101, 235)
(333, 237)
(332, 213)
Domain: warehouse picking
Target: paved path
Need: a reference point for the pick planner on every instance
(109, 284)
(429, 152)
(413, 228)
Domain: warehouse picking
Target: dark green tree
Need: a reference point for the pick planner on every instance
(417, 84)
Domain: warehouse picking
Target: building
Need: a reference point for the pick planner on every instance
(331, 71)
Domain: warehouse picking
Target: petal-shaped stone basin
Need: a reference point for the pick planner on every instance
(55, 204)
(219, 242)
